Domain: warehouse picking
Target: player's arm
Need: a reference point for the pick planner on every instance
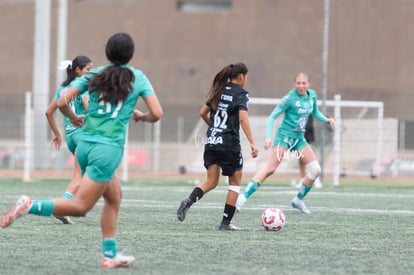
(85, 102)
(245, 124)
(154, 112)
(205, 113)
(63, 105)
(57, 140)
(320, 116)
(270, 123)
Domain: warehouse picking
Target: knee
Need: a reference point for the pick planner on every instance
(80, 210)
(234, 188)
(114, 200)
(79, 213)
(208, 185)
(313, 170)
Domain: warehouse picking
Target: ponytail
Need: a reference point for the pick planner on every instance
(229, 72)
(70, 66)
(114, 83)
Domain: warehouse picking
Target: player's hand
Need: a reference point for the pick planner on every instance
(77, 121)
(254, 150)
(56, 143)
(138, 115)
(267, 143)
(331, 121)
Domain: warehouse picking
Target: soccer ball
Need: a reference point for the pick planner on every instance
(273, 219)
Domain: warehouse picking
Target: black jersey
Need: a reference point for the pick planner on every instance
(224, 126)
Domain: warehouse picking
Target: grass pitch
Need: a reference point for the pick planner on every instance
(357, 228)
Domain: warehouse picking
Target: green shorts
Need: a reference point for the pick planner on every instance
(72, 140)
(290, 143)
(98, 160)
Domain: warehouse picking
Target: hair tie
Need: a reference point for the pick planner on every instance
(65, 64)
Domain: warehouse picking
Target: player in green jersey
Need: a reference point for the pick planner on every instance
(310, 139)
(224, 112)
(75, 68)
(296, 105)
(114, 90)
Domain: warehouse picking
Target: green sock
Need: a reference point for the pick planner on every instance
(109, 247)
(67, 195)
(42, 208)
(303, 190)
(251, 188)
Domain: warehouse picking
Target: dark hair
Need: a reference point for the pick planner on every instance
(114, 83)
(229, 72)
(78, 62)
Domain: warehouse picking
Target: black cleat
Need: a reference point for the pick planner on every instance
(182, 210)
(230, 226)
(64, 219)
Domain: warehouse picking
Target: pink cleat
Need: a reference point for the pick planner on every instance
(20, 208)
(119, 261)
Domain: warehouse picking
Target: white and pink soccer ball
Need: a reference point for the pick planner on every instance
(273, 219)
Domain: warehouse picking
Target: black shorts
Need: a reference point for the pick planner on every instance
(229, 162)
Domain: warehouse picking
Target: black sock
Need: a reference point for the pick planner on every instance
(196, 195)
(228, 213)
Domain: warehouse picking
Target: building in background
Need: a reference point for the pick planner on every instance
(179, 43)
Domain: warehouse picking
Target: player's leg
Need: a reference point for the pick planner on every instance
(84, 201)
(276, 156)
(231, 199)
(98, 163)
(317, 182)
(75, 182)
(72, 140)
(302, 170)
(213, 176)
(232, 166)
(302, 173)
(313, 170)
(112, 201)
(211, 163)
(71, 189)
(102, 165)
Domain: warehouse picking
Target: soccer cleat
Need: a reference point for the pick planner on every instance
(241, 200)
(230, 227)
(299, 204)
(119, 261)
(20, 208)
(64, 219)
(182, 210)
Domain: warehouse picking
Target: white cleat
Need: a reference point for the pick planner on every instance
(299, 204)
(119, 261)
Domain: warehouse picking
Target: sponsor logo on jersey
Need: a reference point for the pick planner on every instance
(214, 140)
(227, 98)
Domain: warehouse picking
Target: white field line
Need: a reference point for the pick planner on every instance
(269, 190)
(166, 204)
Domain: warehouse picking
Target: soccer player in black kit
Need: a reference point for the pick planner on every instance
(224, 112)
